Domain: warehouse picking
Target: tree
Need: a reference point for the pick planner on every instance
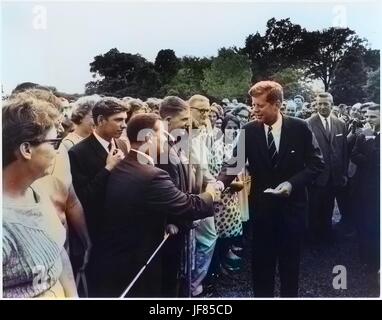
(349, 78)
(329, 47)
(229, 75)
(294, 83)
(372, 59)
(185, 84)
(372, 87)
(123, 74)
(281, 47)
(167, 65)
(188, 80)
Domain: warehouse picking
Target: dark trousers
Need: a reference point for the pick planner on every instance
(276, 240)
(321, 205)
(171, 264)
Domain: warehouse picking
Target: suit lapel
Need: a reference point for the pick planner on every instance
(263, 143)
(333, 127)
(99, 150)
(284, 138)
(319, 124)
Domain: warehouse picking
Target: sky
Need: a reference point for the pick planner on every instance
(52, 43)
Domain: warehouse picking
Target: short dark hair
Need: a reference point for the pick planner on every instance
(237, 109)
(229, 118)
(374, 107)
(25, 119)
(140, 122)
(325, 95)
(106, 107)
(171, 106)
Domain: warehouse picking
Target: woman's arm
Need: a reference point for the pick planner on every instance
(67, 279)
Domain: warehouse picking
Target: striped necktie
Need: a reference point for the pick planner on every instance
(272, 151)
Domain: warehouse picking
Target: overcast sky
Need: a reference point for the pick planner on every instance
(57, 50)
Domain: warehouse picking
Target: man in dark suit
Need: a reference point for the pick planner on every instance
(283, 159)
(366, 155)
(139, 198)
(91, 161)
(331, 135)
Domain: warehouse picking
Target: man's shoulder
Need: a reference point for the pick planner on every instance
(311, 120)
(337, 121)
(82, 146)
(296, 123)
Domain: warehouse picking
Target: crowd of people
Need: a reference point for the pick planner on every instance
(90, 194)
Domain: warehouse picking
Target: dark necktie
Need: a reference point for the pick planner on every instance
(327, 130)
(109, 146)
(272, 151)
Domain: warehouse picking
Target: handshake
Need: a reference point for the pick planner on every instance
(215, 189)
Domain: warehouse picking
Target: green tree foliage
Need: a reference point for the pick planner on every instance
(167, 65)
(281, 47)
(329, 47)
(373, 86)
(185, 84)
(349, 78)
(294, 83)
(123, 74)
(229, 75)
(188, 80)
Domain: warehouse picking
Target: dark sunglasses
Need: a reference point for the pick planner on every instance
(54, 142)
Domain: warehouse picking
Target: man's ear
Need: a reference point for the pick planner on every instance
(149, 137)
(26, 150)
(100, 118)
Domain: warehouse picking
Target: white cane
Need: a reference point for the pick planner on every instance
(144, 267)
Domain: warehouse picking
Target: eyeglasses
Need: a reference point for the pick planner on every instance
(202, 111)
(54, 142)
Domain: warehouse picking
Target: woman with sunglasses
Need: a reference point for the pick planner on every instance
(35, 263)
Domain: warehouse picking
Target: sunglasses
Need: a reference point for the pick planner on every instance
(54, 142)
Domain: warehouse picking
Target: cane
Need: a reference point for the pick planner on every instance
(144, 267)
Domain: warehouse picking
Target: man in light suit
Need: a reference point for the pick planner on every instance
(331, 135)
(283, 159)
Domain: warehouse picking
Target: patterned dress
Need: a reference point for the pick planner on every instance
(228, 222)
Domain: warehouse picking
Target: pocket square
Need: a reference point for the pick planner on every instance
(339, 135)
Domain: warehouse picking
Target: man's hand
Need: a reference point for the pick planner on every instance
(172, 229)
(236, 186)
(114, 157)
(214, 190)
(284, 189)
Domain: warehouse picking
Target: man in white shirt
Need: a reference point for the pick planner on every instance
(331, 135)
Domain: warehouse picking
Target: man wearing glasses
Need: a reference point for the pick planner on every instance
(205, 233)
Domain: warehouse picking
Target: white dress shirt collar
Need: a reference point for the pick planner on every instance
(103, 142)
(277, 125)
(141, 154)
(323, 120)
(276, 131)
